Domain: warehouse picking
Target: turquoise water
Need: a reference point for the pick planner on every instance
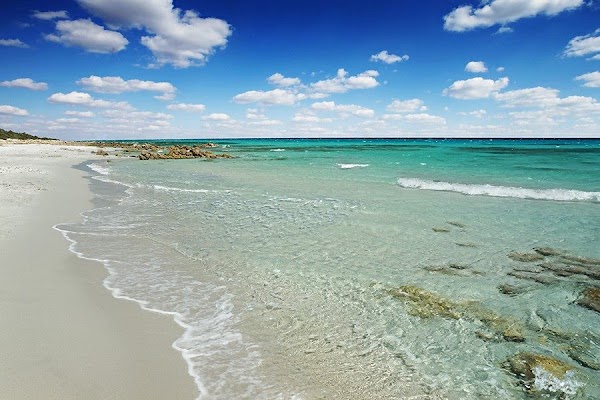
(362, 268)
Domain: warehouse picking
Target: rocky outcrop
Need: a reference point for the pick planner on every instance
(529, 367)
(182, 152)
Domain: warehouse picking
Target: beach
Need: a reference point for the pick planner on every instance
(63, 335)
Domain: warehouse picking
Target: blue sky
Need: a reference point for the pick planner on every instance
(98, 69)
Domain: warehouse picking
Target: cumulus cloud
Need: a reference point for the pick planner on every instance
(586, 45)
(85, 99)
(87, 35)
(344, 109)
(278, 79)
(81, 114)
(270, 97)
(10, 110)
(476, 67)
(406, 106)
(187, 107)
(343, 83)
(220, 117)
(387, 58)
(307, 116)
(476, 113)
(591, 79)
(13, 43)
(424, 118)
(26, 83)
(494, 12)
(475, 88)
(549, 100)
(116, 84)
(50, 15)
(180, 38)
(504, 29)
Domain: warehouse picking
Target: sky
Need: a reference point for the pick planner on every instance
(145, 69)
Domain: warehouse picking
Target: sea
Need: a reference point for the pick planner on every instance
(363, 269)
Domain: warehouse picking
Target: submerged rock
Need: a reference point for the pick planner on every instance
(590, 299)
(540, 373)
(440, 230)
(525, 257)
(536, 277)
(511, 290)
(547, 251)
(457, 224)
(181, 152)
(425, 304)
(466, 244)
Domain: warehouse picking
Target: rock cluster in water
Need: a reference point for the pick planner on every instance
(182, 152)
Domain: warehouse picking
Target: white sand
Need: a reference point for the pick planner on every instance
(62, 335)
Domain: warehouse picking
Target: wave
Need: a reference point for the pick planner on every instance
(99, 169)
(501, 191)
(349, 166)
(277, 150)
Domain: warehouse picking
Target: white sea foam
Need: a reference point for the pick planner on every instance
(349, 166)
(547, 382)
(277, 150)
(501, 191)
(99, 169)
(174, 189)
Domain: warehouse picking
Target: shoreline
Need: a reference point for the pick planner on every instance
(64, 335)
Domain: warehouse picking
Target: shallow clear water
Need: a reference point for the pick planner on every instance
(360, 269)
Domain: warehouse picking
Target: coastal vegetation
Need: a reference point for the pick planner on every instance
(4, 134)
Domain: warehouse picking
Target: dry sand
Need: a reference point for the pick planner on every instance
(62, 335)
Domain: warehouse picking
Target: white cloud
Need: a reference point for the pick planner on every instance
(342, 82)
(476, 113)
(406, 106)
(217, 117)
(50, 15)
(592, 79)
(584, 45)
(26, 83)
(180, 38)
(425, 119)
(387, 58)
(68, 120)
(10, 110)
(85, 99)
(13, 43)
(124, 116)
(344, 109)
(187, 107)
(307, 116)
(89, 36)
(476, 67)
(116, 84)
(475, 88)
(82, 114)
(549, 100)
(255, 114)
(500, 69)
(278, 79)
(504, 29)
(270, 97)
(494, 12)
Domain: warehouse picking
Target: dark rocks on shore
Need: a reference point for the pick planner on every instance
(182, 152)
(101, 152)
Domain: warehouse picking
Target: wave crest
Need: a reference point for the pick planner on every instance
(500, 191)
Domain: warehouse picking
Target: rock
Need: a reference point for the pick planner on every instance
(543, 279)
(457, 224)
(525, 257)
(101, 152)
(512, 334)
(581, 260)
(547, 251)
(590, 299)
(466, 244)
(425, 304)
(440, 230)
(511, 290)
(529, 366)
